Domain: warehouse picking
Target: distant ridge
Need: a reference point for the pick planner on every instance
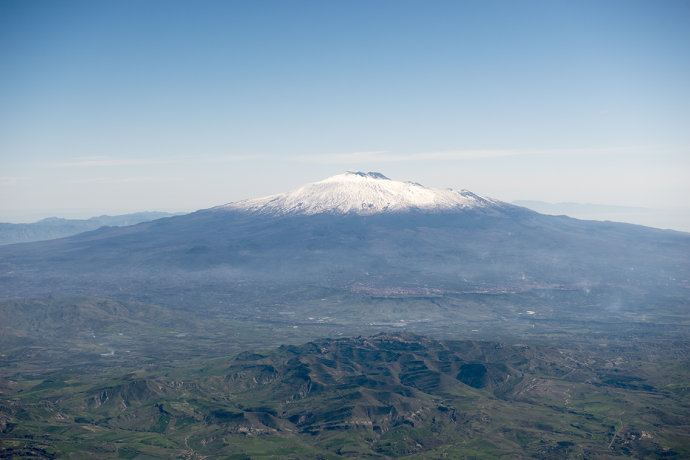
(676, 218)
(362, 193)
(55, 227)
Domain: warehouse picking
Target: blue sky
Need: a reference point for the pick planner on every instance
(118, 106)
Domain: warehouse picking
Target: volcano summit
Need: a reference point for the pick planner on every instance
(364, 194)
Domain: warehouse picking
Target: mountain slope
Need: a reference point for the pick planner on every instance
(235, 258)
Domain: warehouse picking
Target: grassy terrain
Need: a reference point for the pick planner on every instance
(96, 378)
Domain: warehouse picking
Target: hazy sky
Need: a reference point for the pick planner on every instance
(118, 106)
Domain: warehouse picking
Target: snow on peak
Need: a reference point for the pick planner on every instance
(362, 193)
(372, 174)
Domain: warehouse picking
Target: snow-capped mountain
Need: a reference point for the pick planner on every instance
(358, 232)
(362, 193)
